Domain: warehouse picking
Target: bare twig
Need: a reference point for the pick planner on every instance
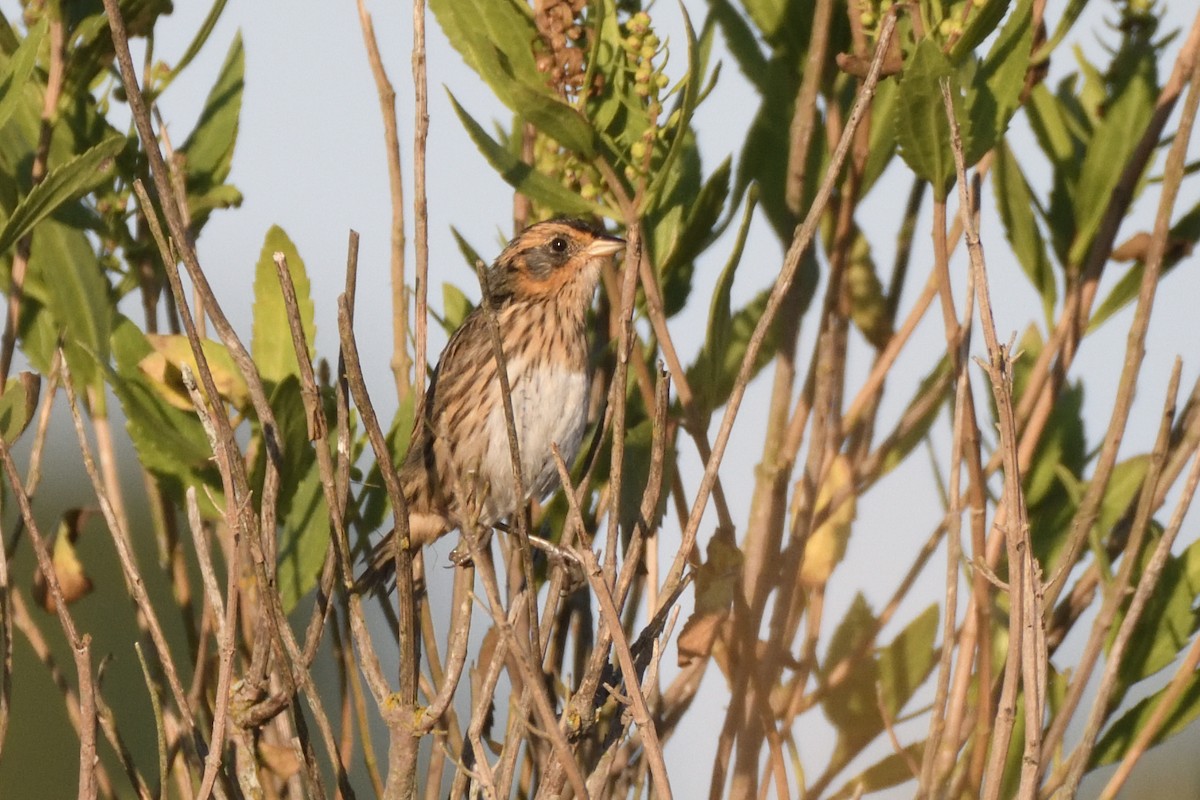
(387, 107)
(1025, 616)
(420, 199)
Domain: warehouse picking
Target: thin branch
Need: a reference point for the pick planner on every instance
(391, 136)
(420, 199)
(1025, 629)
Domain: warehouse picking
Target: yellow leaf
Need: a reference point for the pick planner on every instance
(164, 368)
(73, 581)
(827, 544)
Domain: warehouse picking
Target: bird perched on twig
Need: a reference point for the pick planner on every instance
(459, 466)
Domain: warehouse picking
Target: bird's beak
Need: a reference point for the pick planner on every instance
(606, 246)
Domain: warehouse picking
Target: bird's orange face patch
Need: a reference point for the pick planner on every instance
(547, 257)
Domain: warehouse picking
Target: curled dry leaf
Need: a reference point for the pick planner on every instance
(1137, 247)
(716, 581)
(164, 369)
(836, 507)
(72, 579)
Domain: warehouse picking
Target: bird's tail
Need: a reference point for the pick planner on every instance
(380, 575)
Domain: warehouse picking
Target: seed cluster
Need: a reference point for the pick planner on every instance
(562, 43)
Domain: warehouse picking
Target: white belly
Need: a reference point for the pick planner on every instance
(549, 407)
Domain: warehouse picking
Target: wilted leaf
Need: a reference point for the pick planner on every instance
(169, 442)
(890, 771)
(279, 759)
(73, 580)
(274, 353)
(1180, 242)
(163, 367)
(826, 546)
(716, 581)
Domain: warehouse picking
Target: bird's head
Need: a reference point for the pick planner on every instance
(549, 257)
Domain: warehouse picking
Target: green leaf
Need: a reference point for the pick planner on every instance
(890, 771)
(699, 228)
(852, 705)
(995, 91)
(922, 131)
(1117, 739)
(979, 26)
(781, 22)
(18, 405)
(908, 660)
(897, 446)
(710, 375)
(868, 306)
(636, 477)
(519, 175)
(197, 43)
(20, 67)
(1069, 15)
(741, 41)
(271, 345)
(688, 98)
(495, 38)
(1111, 144)
(63, 184)
(77, 296)
(1015, 203)
(1063, 444)
(455, 307)
(881, 148)
(209, 148)
(1168, 620)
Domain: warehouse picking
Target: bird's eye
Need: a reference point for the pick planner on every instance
(558, 244)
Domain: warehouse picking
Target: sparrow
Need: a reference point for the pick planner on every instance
(458, 469)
